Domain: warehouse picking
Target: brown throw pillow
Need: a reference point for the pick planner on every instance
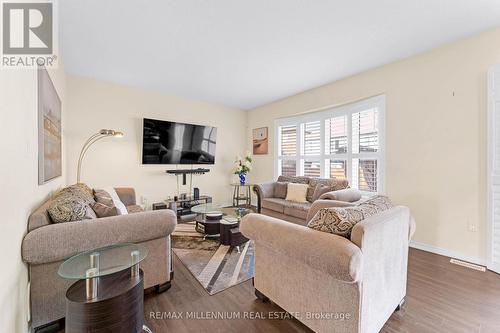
(104, 206)
(103, 197)
(340, 221)
(280, 189)
(101, 210)
(320, 190)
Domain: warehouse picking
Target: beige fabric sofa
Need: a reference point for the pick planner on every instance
(328, 282)
(47, 245)
(269, 204)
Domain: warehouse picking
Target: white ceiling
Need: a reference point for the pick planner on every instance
(246, 53)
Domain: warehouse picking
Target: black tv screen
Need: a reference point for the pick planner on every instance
(166, 142)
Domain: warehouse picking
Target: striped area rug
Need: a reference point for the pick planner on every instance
(217, 267)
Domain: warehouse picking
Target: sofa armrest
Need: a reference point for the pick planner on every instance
(348, 195)
(394, 226)
(329, 253)
(320, 204)
(59, 241)
(383, 238)
(264, 190)
(413, 228)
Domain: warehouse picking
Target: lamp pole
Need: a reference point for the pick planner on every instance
(104, 133)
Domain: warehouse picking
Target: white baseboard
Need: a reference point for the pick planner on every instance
(447, 253)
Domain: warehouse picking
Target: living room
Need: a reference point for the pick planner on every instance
(278, 166)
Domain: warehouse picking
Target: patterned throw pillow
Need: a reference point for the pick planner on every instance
(340, 221)
(335, 183)
(72, 204)
(80, 191)
(320, 190)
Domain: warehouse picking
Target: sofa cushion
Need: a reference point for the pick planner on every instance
(275, 204)
(297, 209)
(340, 221)
(296, 192)
(280, 190)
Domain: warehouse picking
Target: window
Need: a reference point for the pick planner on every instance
(341, 142)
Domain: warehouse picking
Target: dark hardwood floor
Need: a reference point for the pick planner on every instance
(441, 297)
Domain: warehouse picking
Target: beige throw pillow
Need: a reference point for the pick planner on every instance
(296, 192)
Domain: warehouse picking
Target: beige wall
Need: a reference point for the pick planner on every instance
(19, 185)
(117, 162)
(436, 136)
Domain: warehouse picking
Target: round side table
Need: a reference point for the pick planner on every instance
(242, 193)
(109, 293)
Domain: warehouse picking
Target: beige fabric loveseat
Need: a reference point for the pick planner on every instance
(272, 203)
(328, 282)
(48, 244)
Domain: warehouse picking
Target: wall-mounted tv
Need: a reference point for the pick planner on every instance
(167, 142)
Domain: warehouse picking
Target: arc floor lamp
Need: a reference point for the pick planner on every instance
(104, 133)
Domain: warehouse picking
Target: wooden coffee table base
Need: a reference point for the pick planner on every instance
(119, 306)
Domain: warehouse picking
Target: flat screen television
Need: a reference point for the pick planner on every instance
(167, 142)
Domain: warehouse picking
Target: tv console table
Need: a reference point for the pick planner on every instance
(183, 204)
(184, 173)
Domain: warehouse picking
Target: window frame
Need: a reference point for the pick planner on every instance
(322, 115)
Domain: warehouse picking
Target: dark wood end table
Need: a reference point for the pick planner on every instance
(109, 296)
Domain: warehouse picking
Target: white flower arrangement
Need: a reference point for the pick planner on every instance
(243, 165)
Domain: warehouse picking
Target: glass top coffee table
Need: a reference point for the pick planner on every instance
(207, 208)
(212, 215)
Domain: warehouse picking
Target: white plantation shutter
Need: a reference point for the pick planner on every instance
(338, 168)
(494, 168)
(365, 146)
(288, 140)
(288, 167)
(288, 150)
(312, 140)
(336, 135)
(342, 142)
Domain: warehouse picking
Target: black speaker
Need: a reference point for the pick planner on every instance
(196, 193)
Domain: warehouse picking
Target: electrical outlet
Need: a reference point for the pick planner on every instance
(144, 200)
(472, 226)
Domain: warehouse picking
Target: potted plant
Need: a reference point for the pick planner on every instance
(242, 167)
